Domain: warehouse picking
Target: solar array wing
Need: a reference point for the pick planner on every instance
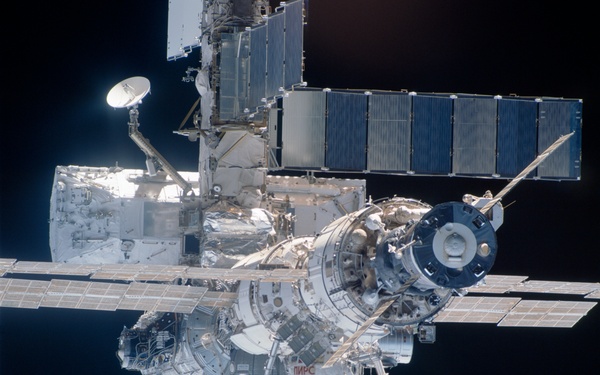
(553, 314)
(274, 275)
(139, 272)
(430, 134)
(557, 287)
(265, 59)
(595, 294)
(476, 309)
(51, 268)
(514, 312)
(83, 295)
(24, 294)
(6, 265)
(527, 313)
(21, 293)
(499, 284)
(146, 272)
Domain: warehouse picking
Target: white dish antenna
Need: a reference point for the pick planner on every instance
(128, 92)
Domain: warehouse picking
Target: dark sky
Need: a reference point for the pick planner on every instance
(60, 60)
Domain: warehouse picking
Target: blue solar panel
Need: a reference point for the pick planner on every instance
(255, 63)
(432, 134)
(293, 43)
(258, 66)
(346, 131)
(517, 135)
(275, 38)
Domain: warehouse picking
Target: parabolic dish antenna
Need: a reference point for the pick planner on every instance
(128, 92)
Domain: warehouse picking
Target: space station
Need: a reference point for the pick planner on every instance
(264, 261)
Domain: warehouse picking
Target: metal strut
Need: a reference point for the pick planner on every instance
(152, 154)
(521, 176)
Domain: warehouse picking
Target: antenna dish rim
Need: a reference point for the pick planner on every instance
(128, 92)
